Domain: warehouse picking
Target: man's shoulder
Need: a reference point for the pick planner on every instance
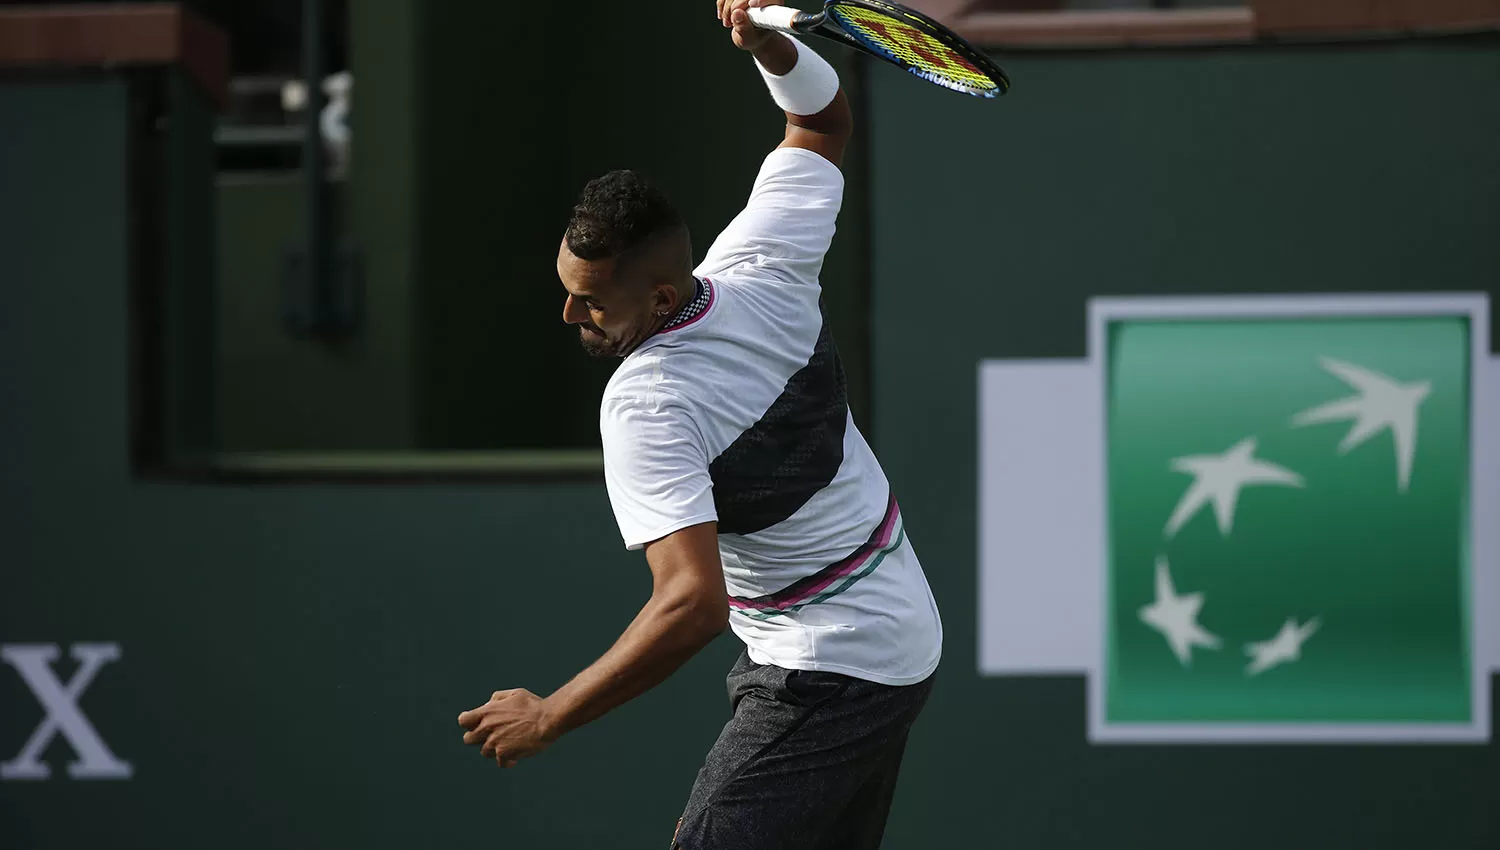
(633, 382)
(645, 383)
(640, 413)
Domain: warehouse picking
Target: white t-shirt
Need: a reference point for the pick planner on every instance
(736, 413)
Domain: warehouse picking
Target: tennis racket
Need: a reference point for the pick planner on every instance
(904, 37)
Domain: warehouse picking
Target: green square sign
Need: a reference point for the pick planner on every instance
(1287, 522)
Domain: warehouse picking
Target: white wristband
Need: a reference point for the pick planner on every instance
(808, 88)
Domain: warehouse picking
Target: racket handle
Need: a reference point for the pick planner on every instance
(779, 18)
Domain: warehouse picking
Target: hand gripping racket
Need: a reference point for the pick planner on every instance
(904, 37)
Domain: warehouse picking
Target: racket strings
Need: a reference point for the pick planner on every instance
(925, 54)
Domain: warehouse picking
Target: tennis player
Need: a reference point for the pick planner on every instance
(732, 460)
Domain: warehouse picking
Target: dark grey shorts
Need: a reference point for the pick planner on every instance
(809, 760)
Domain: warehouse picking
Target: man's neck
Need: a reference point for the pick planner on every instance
(689, 308)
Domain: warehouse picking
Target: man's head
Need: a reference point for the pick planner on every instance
(626, 263)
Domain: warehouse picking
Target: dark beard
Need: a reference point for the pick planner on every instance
(595, 344)
(598, 345)
(594, 347)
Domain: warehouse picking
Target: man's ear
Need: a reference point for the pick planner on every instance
(664, 299)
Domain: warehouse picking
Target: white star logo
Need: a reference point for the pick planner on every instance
(1284, 648)
(1219, 478)
(1176, 617)
(1381, 403)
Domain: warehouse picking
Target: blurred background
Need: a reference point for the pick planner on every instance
(298, 460)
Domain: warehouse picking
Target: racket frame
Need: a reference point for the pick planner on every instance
(824, 24)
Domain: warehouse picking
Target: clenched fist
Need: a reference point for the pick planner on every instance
(746, 35)
(511, 726)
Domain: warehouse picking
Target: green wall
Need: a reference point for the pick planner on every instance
(1331, 168)
(295, 655)
(294, 658)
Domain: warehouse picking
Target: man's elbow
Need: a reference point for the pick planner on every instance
(826, 134)
(841, 117)
(836, 119)
(712, 614)
(701, 616)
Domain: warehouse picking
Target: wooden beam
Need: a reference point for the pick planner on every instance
(1143, 28)
(106, 36)
(1297, 17)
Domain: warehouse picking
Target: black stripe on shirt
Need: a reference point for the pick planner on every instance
(779, 463)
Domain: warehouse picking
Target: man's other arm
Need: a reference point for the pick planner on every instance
(688, 608)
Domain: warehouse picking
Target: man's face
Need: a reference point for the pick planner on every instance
(614, 311)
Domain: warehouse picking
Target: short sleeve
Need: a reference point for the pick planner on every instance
(655, 469)
(788, 223)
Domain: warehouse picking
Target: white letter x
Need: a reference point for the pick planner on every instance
(33, 662)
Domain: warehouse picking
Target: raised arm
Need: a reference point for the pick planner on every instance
(802, 83)
(789, 220)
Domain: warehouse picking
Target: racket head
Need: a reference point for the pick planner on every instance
(916, 43)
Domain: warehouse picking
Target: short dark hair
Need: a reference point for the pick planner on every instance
(617, 213)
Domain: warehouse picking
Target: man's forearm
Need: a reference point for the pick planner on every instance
(661, 638)
(776, 54)
(792, 84)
